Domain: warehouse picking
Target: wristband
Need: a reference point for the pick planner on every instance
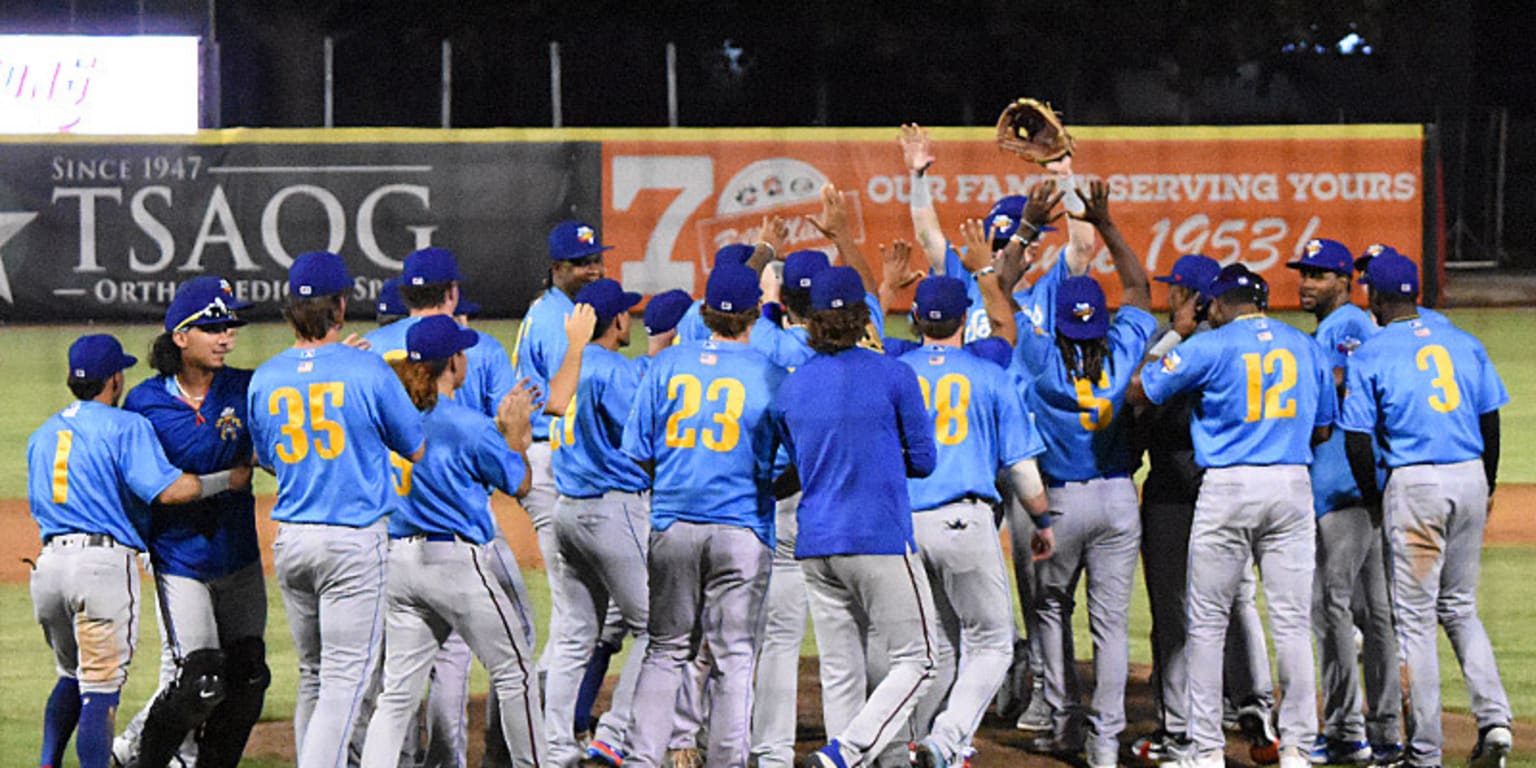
(213, 483)
(1044, 521)
(1169, 340)
(987, 270)
(921, 197)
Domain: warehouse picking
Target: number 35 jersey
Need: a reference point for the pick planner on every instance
(1262, 387)
(702, 415)
(325, 420)
(1420, 388)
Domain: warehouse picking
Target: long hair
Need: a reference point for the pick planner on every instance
(1085, 359)
(729, 324)
(312, 317)
(164, 355)
(420, 380)
(834, 330)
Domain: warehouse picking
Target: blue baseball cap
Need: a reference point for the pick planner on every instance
(1329, 255)
(607, 299)
(940, 298)
(97, 356)
(571, 240)
(437, 337)
(1193, 271)
(666, 310)
(431, 265)
(389, 301)
(801, 266)
(732, 288)
(1081, 311)
(735, 253)
(318, 273)
(837, 288)
(466, 307)
(1372, 251)
(1392, 273)
(1236, 276)
(1005, 216)
(206, 300)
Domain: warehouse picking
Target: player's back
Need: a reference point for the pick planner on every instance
(447, 490)
(324, 419)
(489, 374)
(88, 465)
(586, 440)
(1430, 383)
(540, 347)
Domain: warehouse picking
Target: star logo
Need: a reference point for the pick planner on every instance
(10, 224)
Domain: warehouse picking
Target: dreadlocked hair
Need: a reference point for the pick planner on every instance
(834, 330)
(420, 380)
(1085, 359)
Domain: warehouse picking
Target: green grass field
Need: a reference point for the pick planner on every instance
(32, 370)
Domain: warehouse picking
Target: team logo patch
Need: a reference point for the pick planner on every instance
(1314, 247)
(585, 235)
(1348, 345)
(228, 424)
(708, 358)
(1001, 223)
(1171, 362)
(1083, 311)
(1374, 249)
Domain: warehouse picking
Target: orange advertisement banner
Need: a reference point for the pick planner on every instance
(1254, 195)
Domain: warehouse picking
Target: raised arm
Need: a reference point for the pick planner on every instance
(1080, 234)
(1133, 276)
(579, 325)
(917, 152)
(770, 243)
(897, 274)
(835, 226)
(977, 258)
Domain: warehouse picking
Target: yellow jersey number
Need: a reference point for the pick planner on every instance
(1445, 377)
(562, 429)
(1097, 411)
(1270, 403)
(403, 480)
(326, 435)
(61, 466)
(691, 392)
(949, 399)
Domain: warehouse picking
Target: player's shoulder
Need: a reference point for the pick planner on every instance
(148, 393)
(486, 344)
(453, 419)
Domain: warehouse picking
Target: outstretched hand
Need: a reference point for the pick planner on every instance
(834, 213)
(978, 244)
(775, 233)
(1044, 198)
(898, 274)
(1096, 206)
(916, 148)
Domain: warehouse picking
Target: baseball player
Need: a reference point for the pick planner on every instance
(1265, 397)
(855, 519)
(92, 469)
(444, 576)
(1427, 394)
(980, 429)
(1080, 375)
(700, 424)
(602, 520)
(324, 417)
(206, 561)
(1349, 547)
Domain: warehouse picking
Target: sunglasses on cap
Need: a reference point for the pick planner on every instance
(216, 310)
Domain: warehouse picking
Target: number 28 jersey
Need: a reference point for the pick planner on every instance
(324, 420)
(1262, 387)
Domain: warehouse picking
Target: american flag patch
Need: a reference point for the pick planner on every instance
(708, 358)
(1266, 336)
(306, 366)
(1421, 332)
(935, 359)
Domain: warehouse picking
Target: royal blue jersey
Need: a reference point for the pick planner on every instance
(209, 538)
(856, 428)
(1082, 421)
(702, 416)
(1339, 335)
(1420, 388)
(979, 424)
(488, 377)
(446, 491)
(1262, 387)
(89, 466)
(995, 350)
(977, 325)
(540, 349)
(325, 420)
(587, 439)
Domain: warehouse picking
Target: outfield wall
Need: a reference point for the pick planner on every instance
(103, 228)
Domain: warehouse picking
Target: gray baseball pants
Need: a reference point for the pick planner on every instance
(780, 636)
(850, 595)
(602, 543)
(1098, 532)
(964, 560)
(1436, 514)
(690, 728)
(440, 587)
(333, 584)
(707, 582)
(1020, 530)
(1350, 567)
(1245, 514)
(126, 744)
(87, 600)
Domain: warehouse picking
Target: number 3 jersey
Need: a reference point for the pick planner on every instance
(325, 420)
(1420, 387)
(585, 441)
(1262, 387)
(702, 415)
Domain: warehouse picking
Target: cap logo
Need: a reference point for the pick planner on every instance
(725, 306)
(1405, 287)
(418, 281)
(415, 354)
(805, 282)
(224, 286)
(837, 303)
(1001, 222)
(1314, 247)
(1375, 249)
(585, 235)
(79, 373)
(1083, 311)
(305, 290)
(934, 314)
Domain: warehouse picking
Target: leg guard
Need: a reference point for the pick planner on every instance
(247, 678)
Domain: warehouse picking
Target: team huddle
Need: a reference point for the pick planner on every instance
(775, 454)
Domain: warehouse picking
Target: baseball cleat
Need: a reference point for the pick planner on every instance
(1493, 743)
(601, 754)
(829, 756)
(1037, 716)
(1253, 721)
(1387, 754)
(1212, 759)
(1326, 751)
(1151, 748)
(1291, 757)
(926, 754)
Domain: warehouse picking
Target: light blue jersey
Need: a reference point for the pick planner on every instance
(587, 439)
(91, 463)
(701, 416)
(691, 327)
(1339, 335)
(979, 425)
(977, 326)
(488, 379)
(325, 420)
(1262, 386)
(1082, 421)
(446, 491)
(540, 349)
(1037, 314)
(1420, 388)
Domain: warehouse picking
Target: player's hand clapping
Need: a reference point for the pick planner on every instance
(512, 416)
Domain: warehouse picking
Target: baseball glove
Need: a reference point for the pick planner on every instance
(1032, 130)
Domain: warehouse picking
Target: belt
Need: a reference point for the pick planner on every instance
(640, 492)
(1052, 483)
(81, 540)
(969, 498)
(428, 537)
